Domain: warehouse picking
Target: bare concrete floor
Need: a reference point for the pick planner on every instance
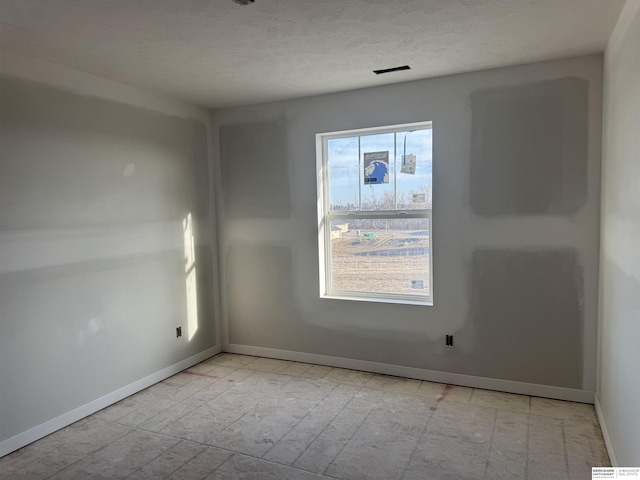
(241, 417)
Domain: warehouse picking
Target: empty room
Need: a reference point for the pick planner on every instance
(328, 239)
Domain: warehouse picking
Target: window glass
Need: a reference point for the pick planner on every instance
(344, 174)
(414, 167)
(375, 216)
(381, 256)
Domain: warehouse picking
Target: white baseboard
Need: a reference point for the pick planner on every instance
(547, 391)
(44, 429)
(605, 433)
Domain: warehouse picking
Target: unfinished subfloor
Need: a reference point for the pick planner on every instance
(236, 416)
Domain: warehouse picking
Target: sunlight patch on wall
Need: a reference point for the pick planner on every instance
(190, 269)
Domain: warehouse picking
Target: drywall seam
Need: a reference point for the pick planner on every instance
(510, 386)
(222, 326)
(214, 231)
(87, 409)
(605, 432)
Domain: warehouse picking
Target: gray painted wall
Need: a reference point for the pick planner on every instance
(515, 252)
(93, 193)
(619, 377)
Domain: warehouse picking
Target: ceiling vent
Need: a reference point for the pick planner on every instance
(394, 69)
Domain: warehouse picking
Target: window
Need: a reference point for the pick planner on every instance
(374, 212)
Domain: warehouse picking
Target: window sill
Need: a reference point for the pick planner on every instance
(397, 301)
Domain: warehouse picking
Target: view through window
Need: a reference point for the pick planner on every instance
(375, 213)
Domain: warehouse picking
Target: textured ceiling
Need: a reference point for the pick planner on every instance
(217, 53)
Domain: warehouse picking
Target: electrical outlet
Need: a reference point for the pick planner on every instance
(178, 331)
(449, 341)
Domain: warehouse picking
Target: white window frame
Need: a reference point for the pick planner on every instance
(325, 215)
